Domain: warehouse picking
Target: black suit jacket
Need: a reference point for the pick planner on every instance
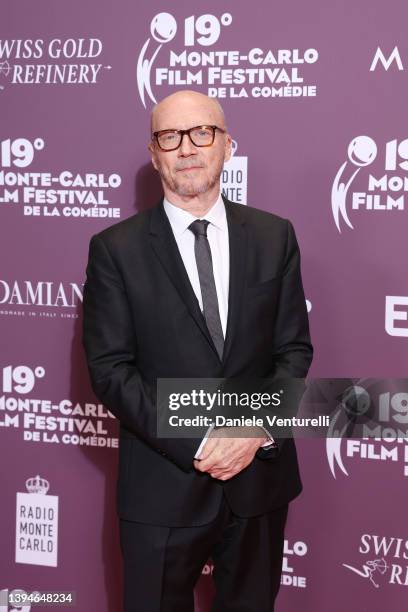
(142, 321)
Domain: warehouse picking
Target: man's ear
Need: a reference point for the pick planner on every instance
(228, 148)
(150, 146)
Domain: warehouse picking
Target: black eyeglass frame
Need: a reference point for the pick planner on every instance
(182, 132)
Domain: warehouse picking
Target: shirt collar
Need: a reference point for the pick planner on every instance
(180, 219)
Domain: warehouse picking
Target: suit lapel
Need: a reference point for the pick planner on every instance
(237, 236)
(165, 247)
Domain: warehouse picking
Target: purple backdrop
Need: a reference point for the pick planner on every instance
(315, 97)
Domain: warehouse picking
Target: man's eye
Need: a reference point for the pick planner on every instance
(169, 137)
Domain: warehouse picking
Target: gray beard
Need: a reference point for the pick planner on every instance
(190, 188)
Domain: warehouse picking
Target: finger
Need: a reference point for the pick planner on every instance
(225, 455)
(229, 469)
(214, 461)
(209, 447)
(226, 474)
(221, 447)
(223, 475)
(221, 460)
(218, 473)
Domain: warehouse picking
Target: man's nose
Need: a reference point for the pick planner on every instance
(186, 147)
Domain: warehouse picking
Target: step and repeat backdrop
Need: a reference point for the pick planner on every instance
(316, 101)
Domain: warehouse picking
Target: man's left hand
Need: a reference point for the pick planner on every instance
(225, 456)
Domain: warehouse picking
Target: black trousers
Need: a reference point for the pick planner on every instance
(162, 564)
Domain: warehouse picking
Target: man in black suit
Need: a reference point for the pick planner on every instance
(196, 287)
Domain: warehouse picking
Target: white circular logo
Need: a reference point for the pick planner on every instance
(362, 151)
(163, 27)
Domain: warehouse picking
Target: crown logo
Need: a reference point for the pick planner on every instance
(37, 485)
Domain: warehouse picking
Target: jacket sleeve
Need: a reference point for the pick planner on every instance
(293, 350)
(110, 346)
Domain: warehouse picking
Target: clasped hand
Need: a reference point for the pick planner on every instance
(224, 456)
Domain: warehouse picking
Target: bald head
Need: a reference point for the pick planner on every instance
(185, 109)
(190, 173)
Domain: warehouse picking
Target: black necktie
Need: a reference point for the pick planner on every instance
(207, 283)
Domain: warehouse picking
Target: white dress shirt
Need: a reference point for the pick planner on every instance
(217, 233)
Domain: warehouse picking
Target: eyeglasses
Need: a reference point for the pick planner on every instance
(200, 136)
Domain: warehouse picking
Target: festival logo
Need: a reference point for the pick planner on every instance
(37, 524)
(77, 195)
(182, 54)
(378, 190)
(57, 421)
(57, 61)
(369, 424)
